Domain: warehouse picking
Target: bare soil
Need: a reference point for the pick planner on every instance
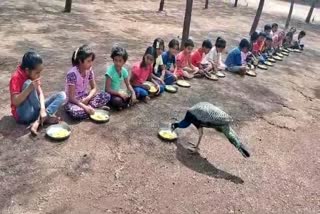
(122, 166)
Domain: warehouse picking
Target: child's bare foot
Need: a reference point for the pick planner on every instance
(146, 99)
(34, 127)
(50, 120)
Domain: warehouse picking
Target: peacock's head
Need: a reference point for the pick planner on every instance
(174, 126)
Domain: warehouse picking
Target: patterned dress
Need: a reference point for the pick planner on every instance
(81, 83)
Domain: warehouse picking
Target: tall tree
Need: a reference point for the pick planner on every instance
(257, 17)
(289, 15)
(67, 7)
(313, 4)
(235, 3)
(206, 4)
(187, 21)
(161, 5)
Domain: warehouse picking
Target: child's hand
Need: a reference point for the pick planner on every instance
(89, 110)
(43, 115)
(158, 89)
(36, 83)
(124, 96)
(85, 100)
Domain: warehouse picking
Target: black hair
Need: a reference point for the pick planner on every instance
(269, 38)
(244, 43)
(173, 43)
(119, 51)
(302, 33)
(220, 43)
(254, 36)
(158, 43)
(275, 25)
(207, 44)
(149, 51)
(188, 43)
(290, 34)
(263, 34)
(81, 54)
(31, 60)
(267, 27)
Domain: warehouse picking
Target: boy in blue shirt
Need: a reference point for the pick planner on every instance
(234, 58)
(169, 62)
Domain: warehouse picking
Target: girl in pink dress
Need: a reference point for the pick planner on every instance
(81, 102)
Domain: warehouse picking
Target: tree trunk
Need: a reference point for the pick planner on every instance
(311, 11)
(67, 8)
(161, 5)
(257, 18)
(187, 21)
(289, 15)
(235, 3)
(206, 5)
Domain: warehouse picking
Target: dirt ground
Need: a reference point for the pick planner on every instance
(122, 167)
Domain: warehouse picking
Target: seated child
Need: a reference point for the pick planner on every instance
(81, 103)
(259, 44)
(267, 30)
(287, 41)
(258, 47)
(214, 57)
(27, 98)
(169, 61)
(199, 55)
(274, 30)
(166, 77)
(298, 43)
(267, 50)
(116, 74)
(142, 72)
(277, 41)
(234, 60)
(185, 68)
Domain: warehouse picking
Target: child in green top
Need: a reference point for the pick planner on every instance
(116, 74)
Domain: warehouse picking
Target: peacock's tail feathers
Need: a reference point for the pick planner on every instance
(234, 140)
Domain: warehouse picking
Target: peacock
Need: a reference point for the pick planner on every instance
(206, 115)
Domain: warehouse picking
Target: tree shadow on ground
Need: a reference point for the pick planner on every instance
(201, 165)
(10, 129)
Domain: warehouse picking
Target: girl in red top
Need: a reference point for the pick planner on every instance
(142, 72)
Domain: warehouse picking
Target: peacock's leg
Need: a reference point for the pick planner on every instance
(200, 130)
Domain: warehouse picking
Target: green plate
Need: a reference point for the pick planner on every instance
(171, 88)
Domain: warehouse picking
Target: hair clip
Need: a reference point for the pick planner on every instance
(75, 54)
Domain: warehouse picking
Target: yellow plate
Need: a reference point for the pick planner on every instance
(153, 89)
(263, 67)
(171, 88)
(220, 74)
(251, 73)
(183, 83)
(59, 131)
(285, 53)
(279, 54)
(100, 116)
(277, 58)
(168, 135)
(268, 63)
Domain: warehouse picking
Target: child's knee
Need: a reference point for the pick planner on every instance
(62, 96)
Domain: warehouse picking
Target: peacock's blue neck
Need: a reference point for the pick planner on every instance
(184, 124)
